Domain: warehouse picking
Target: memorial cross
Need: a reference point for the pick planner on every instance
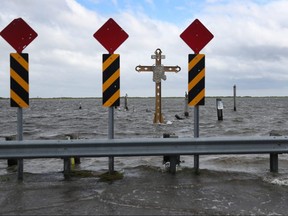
(158, 73)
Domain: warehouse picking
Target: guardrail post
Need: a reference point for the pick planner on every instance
(273, 162)
(13, 161)
(174, 160)
(67, 167)
(274, 156)
(74, 136)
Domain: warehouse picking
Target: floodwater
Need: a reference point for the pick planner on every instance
(226, 184)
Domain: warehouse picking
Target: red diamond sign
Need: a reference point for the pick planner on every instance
(18, 34)
(111, 35)
(196, 36)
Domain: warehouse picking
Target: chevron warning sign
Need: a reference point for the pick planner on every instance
(19, 80)
(111, 80)
(196, 79)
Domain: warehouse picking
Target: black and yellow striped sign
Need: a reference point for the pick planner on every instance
(111, 80)
(196, 79)
(19, 80)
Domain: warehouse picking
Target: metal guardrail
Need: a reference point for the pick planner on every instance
(142, 147)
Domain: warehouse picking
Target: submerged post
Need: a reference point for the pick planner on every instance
(219, 107)
(11, 162)
(67, 167)
(274, 156)
(273, 162)
(186, 113)
(173, 164)
(126, 103)
(76, 159)
(234, 96)
(173, 160)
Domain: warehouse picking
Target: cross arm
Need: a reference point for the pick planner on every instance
(140, 68)
(172, 68)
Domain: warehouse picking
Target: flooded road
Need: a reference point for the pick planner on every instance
(145, 190)
(226, 184)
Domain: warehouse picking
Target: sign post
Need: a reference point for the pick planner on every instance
(158, 73)
(19, 35)
(111, 36)
(196, 36)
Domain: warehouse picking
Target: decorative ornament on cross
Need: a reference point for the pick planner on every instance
(158, 73)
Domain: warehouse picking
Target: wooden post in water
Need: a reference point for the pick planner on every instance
(186, 113)
(126, 103)
(234, 96)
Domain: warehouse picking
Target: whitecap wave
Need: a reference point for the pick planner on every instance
(281, 181)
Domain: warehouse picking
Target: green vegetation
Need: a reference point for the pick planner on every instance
(82, 173)
(4, 178)
(110, 177)
(104, 177)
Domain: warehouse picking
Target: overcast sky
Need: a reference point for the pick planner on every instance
(249, 48)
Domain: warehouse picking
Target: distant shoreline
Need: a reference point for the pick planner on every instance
(73, 98)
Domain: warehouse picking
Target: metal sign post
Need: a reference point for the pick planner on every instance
(196, 36)
(19, 35)
(111, 36)
(111, 135)
(158, 73)
(20, 167)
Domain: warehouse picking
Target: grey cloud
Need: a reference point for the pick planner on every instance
(66, 59)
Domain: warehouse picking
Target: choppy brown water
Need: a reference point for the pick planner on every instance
(228, 184)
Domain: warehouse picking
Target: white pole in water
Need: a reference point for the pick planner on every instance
(20, 137)
(219, 107)
(111, 135)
